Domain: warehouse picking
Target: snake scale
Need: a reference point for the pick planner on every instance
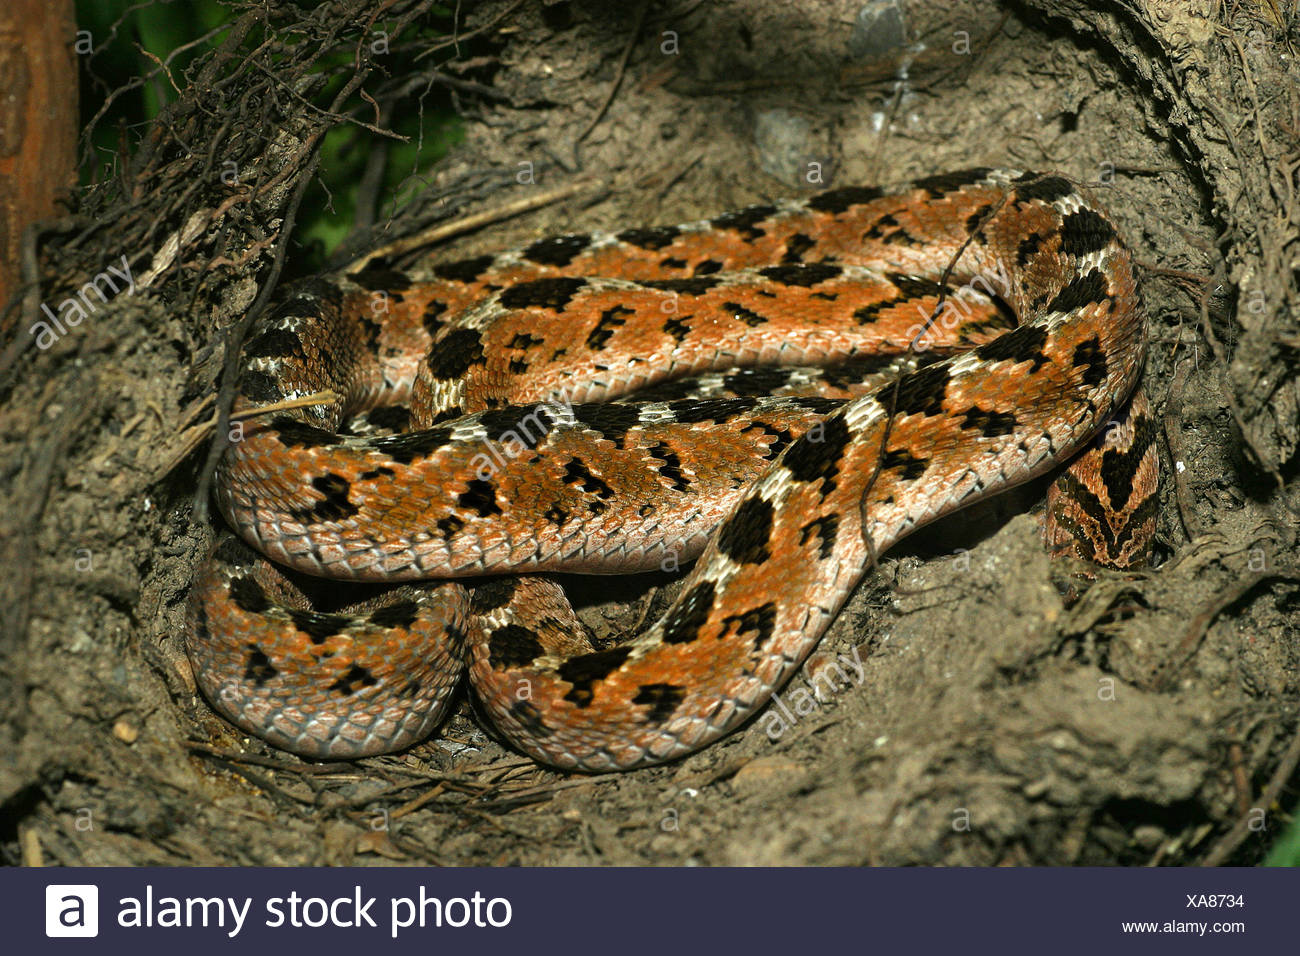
(814, 379)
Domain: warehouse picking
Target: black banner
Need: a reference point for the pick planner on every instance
(193, 911)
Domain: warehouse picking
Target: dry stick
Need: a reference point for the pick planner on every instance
(467, 224)
(1200, 626)
(873, 556)
(235, 340)
(1234, 837)
(458, 38)
(229, 756)
(193, 435)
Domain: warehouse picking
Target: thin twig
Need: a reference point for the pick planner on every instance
(1241, 829)
(466, 224)
(618, 79)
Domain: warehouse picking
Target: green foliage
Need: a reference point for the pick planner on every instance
(1286, 851)
(121, 45)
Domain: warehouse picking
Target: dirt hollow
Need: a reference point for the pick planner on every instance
(1152, 721)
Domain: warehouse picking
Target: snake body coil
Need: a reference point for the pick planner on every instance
(976, 329)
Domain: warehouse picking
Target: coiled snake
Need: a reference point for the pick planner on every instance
(975, 330)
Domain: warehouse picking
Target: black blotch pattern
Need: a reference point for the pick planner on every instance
(912, 286)
(743, 537)
(248, 595)
(553, 292)
(556, 515)
(938, 186)
(480, 496)
(754, 382)
(607, 325)
(611, 420)
(746, 221)
(295, 434)
(879, 228)
(456, 353)
(404, 449)
(576, 473)
(379, 276)
(356, 678)
(513, 646)
(309, 299)
(1024, 344)
(1080, 291)
(1047, 188)
(817, 404)
(528, 422)
(1090, 355)
(258, 386)
(826, 529)
(905, 463)
(677, 328)
(449, 526)
(274, 343)
(707, 267)
(805, 275)
(1027, 248)
(1118, 467)
(233, 553)
(370, 328)
(432, 318)
(588, 669)
(780, 439)
(988, 422)
(372, 473)
(869, 313)
(654, 238)
(399, 614)
(674, 262)
(748, 316)
(816, 457)
(523, 340)
(529, 718)
(683, 622)
(691, 285)
(836, 201)
(976, 219)
(258, 667)
(671, 467)
(556, 250)
(795, 247)
(335, 505)
(761, 620)
(885, 229)
(492, 594)
(393, 417)
(692, 411)
(317, 626)
(466, 270)
(917, 393)
(1084, 231)
(662, 699)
